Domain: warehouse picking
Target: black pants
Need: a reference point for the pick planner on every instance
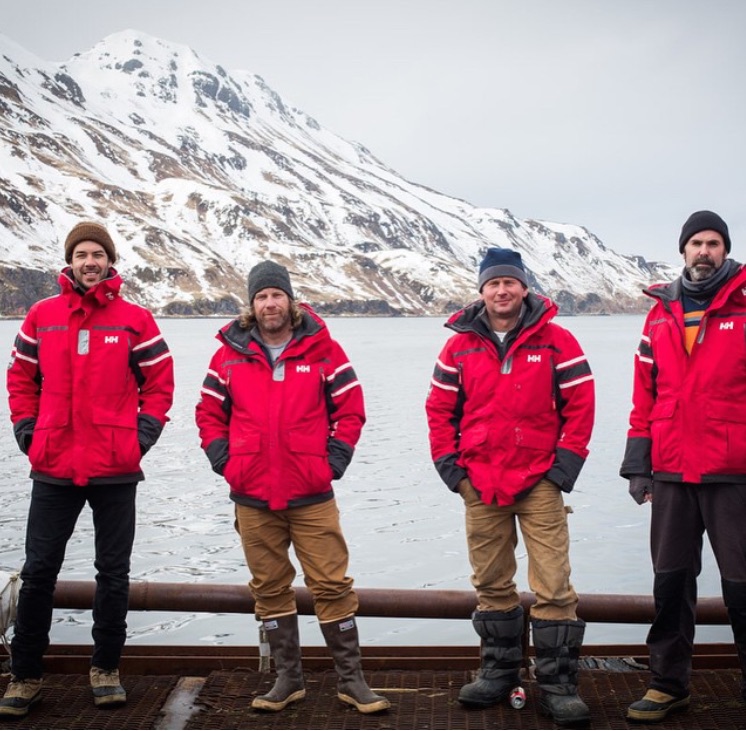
(52, 516)
(681, 513)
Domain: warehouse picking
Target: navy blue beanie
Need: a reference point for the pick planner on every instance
(501, 263)
(704, 221)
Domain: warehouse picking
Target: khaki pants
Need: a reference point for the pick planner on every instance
(492, 539)
(316, 535)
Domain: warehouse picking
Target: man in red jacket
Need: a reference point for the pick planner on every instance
(280, 413)
(510, 411)
(686, 451)
(90, 383)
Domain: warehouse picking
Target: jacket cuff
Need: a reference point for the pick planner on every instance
(340, 456)
(637, 459)
(565, 470)
(148, 431)
(24, 432)
(450, 472)
(217, 453)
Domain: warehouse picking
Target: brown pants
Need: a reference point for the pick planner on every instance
(316, 536)
(492, 539)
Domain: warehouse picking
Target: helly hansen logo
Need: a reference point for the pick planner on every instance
(111, 339)
(726, 325)
(303, 369)
(534, 359)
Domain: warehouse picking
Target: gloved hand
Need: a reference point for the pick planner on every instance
(641, 489)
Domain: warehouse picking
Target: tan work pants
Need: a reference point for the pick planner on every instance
(492, 539)
(316, 536)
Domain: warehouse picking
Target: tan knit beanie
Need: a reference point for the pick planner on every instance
(89, 231)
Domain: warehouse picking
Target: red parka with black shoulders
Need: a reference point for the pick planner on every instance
(687, 423)
(90, 384)
(280, 434)
(507, 420)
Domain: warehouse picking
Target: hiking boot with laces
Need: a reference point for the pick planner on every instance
(19, 696)
(107, 690)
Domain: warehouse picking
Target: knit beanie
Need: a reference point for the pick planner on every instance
(269, 274)
(89, 231)
(501, 263)
(704, 221)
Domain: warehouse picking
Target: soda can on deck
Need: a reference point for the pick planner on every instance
(518, 697)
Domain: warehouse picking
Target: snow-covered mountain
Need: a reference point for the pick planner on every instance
(199, 173)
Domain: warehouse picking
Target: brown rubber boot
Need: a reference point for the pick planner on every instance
(284, 644)
(343, 641)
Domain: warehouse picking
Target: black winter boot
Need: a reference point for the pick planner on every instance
(501, 655)
(343, 641)
(557, 647)
(284, 644)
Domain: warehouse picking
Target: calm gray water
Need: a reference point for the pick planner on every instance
(404, 528)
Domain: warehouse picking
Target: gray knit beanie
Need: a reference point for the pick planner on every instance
(269, 274)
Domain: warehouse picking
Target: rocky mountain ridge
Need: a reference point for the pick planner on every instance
(199, 173)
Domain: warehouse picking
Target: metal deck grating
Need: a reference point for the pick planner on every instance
(67, 703)
(428, 700)
(424, 699)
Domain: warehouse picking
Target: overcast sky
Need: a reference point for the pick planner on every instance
(623, 116)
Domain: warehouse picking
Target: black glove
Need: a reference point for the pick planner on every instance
(640, 487)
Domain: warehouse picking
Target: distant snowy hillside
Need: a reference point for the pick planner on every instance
(200, 173)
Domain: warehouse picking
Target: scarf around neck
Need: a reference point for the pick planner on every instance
(708, 288)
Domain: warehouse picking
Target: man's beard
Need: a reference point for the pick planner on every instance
(701, 270)
(275, 326)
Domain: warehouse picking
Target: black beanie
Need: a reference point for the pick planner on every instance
(501, 263)
(269, 274)
(704, 221)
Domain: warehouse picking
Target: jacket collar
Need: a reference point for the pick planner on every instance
(107, 290)
(539, 309)
(668, 292)
(246, 340)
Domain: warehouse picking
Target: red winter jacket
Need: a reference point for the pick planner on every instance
(90, 383)
(687, 421)
(507, 420)
(279, 436)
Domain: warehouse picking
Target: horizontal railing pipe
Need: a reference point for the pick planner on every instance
(404, 603)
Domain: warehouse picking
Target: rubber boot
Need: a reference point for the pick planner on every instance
(734, 595)
(343, 641)
(284, 645)
(557, 647)
(501, 655)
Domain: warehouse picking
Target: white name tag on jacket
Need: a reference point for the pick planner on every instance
(84, 342)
